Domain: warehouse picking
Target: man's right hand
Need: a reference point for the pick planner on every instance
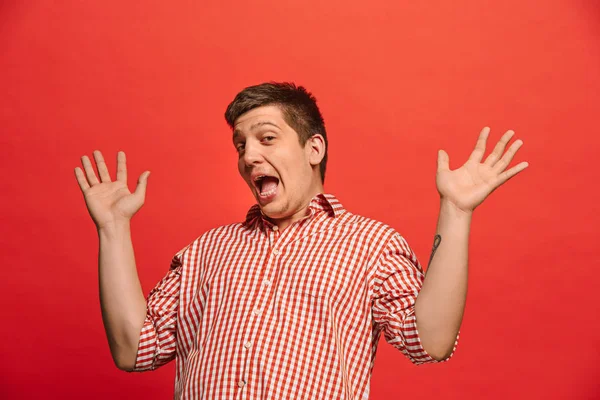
(122, 301)
(109, 202)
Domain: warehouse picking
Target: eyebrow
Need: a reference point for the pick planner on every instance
(258, 124)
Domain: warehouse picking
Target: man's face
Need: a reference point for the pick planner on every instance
(278, 170)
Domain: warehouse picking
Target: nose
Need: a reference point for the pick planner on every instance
(252, 155)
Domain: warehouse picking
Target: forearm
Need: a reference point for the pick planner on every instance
(121, 297)
(440, 304)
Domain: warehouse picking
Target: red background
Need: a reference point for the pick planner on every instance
(395, 80)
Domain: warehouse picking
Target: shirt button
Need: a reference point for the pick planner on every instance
(241, 383)
(275, 228)
(275, 251)
(257, 311)
(247, 344)
(266, 282)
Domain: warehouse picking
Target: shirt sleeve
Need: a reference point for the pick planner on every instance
(158, 337)
(398, 280)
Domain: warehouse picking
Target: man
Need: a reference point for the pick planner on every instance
(291, 302)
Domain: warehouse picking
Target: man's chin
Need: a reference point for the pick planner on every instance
(271, 210)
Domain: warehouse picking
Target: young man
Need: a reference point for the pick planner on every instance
(291, 302)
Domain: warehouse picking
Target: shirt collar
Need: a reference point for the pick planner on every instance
(322, 202)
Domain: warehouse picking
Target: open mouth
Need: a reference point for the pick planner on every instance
(266, 186)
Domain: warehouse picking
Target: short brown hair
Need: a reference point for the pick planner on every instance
(298, 106)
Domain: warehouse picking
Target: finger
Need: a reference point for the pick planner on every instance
(83, 183)
(121, 167)
(508, 156)
(443, 161)
(89, 171)
(140, 189)
(499, 149)
(101, 165)
(506, 175)
(479, 150)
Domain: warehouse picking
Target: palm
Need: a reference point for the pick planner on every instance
(467, 186)
(110, 201)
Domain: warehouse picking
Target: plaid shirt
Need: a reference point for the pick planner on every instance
(250, 312)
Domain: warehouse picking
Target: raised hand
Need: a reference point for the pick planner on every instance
(110, 202)
(467, 186)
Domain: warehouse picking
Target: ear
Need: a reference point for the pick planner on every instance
(315, 147)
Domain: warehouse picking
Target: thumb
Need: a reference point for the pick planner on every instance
(443, 161)
(140, 189)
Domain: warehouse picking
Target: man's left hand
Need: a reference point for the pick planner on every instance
(467, 186)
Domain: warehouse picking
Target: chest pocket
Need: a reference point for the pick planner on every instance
(306, 313)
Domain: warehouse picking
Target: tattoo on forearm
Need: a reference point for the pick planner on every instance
(436, 242)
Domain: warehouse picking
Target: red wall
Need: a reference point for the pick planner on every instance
(395, 80)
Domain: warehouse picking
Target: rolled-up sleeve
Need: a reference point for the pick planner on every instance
(158, 337)
(397, 282)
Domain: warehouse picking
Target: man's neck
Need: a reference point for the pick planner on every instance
(304, 212)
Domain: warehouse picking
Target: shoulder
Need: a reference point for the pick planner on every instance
(376, 236)
(367, 224)
(212, 237)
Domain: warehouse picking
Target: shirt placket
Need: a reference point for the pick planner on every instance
(269, 274)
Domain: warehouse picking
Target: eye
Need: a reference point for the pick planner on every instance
(268, 138)
(239, 147)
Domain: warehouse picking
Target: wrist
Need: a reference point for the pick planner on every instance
(114, 228)
(450, 209)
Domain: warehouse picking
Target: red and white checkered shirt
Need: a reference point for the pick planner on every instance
(249, 312)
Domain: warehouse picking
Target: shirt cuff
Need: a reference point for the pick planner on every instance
(146, 354)
(414, 349)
